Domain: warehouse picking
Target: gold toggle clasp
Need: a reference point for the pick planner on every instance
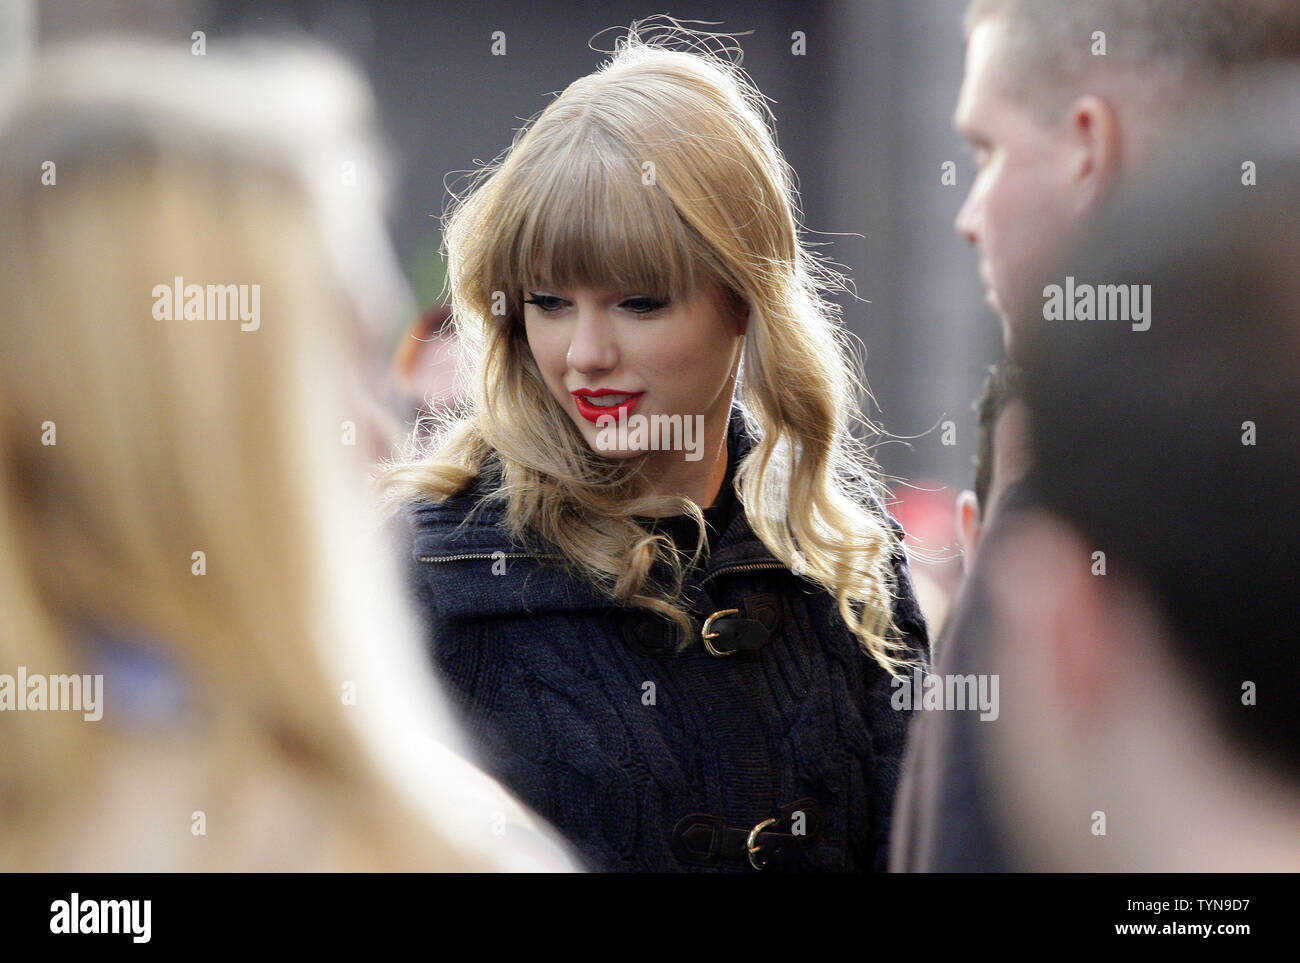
(707, 634)
(751, 847)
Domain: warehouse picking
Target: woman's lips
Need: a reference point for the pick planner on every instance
(594, 412)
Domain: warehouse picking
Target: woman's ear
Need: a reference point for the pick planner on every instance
(739, 310)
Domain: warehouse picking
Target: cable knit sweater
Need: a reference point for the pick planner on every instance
(644, 750)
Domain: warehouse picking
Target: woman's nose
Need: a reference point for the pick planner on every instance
(593, 345)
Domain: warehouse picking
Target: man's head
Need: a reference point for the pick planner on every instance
(1061, 98)
(1141, 581)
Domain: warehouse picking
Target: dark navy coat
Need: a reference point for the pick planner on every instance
(645, 751)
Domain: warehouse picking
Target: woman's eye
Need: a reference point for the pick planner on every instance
(644, 305)
(545, 302)
(548, 303)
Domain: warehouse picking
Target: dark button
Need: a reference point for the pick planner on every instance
(651, 634)
(766, 608)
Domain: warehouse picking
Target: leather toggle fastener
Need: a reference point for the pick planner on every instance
(731, 635)
(727, 632)
(775, 843)
(653, 635)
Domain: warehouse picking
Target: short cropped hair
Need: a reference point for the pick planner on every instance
(1178, 46)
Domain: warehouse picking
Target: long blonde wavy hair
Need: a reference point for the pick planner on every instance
(129, 443)
(655, 173)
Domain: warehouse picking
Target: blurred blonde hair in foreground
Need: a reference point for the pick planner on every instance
(173, 437)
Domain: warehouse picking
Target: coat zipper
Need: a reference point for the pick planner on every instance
(743, 567)
(491, 555)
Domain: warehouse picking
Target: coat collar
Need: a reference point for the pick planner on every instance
(446, 532)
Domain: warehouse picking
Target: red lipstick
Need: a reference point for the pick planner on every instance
(592, 412)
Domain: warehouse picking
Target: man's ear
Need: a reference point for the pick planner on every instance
(968, 526)
(1055, 613)
(1095, 150)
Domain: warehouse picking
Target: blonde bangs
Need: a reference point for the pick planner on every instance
(588, 215)
(652, 177)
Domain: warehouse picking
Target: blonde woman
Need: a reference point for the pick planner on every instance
(182, 514)
(676, 640)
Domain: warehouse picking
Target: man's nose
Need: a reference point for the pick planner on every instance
(593, 346)
(967, 223)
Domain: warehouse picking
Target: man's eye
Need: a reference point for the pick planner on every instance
(644, 305)
(545, 302)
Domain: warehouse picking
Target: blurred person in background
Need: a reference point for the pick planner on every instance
(1000, 455)
(1139, 594)
(684, 664)
(187, 276)
(1062, 102)
(1064, 99)
(925, 510)
(427, 376)
(999, 461)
